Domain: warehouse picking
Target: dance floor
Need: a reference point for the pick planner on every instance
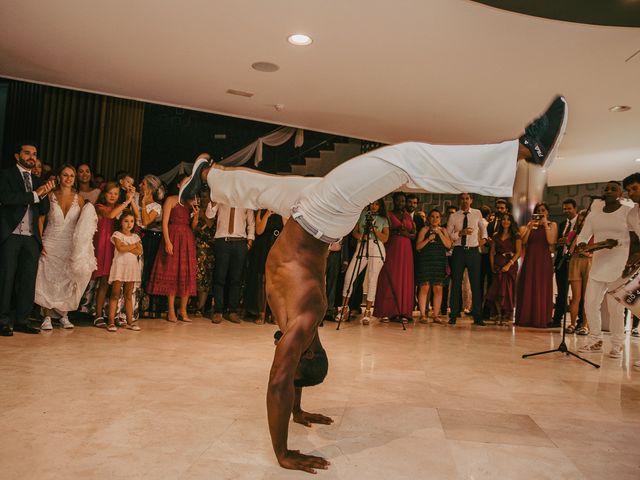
(187, 401)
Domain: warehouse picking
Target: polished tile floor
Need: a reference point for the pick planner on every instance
(187, 401)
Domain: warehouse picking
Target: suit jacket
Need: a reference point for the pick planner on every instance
(560, 260)
(14, 201)
(492, 228)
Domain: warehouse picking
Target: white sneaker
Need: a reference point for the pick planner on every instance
(46, 324)
(616, 352)
(65, 323)
(635, 332)
(595, 347)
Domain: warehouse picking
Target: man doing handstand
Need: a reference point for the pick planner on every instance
(324, 210)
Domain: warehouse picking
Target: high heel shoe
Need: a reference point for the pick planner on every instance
(183, 318)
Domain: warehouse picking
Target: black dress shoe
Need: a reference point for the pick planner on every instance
(452, 321)
(26, 329)
(479, 323)
(6, 331)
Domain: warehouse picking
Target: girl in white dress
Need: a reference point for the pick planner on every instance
(67, 260)
(125, 270)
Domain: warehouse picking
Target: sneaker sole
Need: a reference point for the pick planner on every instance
(189, 187)
(551, 154)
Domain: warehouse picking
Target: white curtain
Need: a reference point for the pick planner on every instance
(273, 139)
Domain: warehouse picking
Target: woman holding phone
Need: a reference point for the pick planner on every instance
(534, 292)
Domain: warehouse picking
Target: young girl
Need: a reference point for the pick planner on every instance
(125, 270)
(108, 210)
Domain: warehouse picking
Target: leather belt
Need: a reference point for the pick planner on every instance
(232, 239)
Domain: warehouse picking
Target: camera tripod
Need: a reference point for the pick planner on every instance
(363, 252)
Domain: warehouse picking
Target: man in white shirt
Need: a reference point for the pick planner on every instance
(468, 231)
(606, 221)
(235, 232)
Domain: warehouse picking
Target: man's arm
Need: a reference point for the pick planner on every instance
(281, 397)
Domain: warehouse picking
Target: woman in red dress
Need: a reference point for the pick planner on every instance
(395, 293)
(174, 269)
(534, 297)
(505, 251)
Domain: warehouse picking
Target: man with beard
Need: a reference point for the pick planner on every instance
(23, 198)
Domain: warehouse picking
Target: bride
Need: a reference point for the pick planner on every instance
(67, 258)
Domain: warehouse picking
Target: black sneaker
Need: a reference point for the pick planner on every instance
(543, 136)
(191, 188)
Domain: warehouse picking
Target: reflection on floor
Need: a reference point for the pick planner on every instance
(187, 401)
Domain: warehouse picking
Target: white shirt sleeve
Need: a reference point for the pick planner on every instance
(211, 210)
(587, 231)
(482, 228)
(251, 224)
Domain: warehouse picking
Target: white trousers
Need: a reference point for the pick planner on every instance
(329, 207)
(594, 295)
(374, 266)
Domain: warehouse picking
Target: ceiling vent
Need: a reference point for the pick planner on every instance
(240, 93)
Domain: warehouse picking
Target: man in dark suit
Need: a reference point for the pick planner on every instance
(23, 198)
(562, 261)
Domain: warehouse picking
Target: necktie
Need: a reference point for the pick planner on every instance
(465, 224)
(27, 181)
(232, 218)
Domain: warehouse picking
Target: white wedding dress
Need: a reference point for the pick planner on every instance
(65, 269)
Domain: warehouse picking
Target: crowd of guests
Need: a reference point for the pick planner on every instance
(121, 249)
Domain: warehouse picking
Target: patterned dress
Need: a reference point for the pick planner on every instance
(205, 258)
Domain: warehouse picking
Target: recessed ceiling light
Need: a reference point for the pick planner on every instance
(637, 159)
(265, 67)
(620, 108)
(299, 39)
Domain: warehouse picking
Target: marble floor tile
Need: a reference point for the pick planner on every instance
(187, 402)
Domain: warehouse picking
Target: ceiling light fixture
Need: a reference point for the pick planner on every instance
(620, 108)
(240, 93)
(265, 67)
(637, 159)
(299, 39)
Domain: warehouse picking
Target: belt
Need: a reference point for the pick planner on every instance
(467, 248)
(232, 239)
(310, 229)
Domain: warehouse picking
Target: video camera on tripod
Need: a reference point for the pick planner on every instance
(369, 225)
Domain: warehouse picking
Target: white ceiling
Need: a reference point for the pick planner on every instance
(441, 71)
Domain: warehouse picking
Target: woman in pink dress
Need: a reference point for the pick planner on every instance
(108, 210)
(174, 269)
(534, 296)
(395, 294)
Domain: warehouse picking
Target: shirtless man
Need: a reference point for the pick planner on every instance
(326, 209)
